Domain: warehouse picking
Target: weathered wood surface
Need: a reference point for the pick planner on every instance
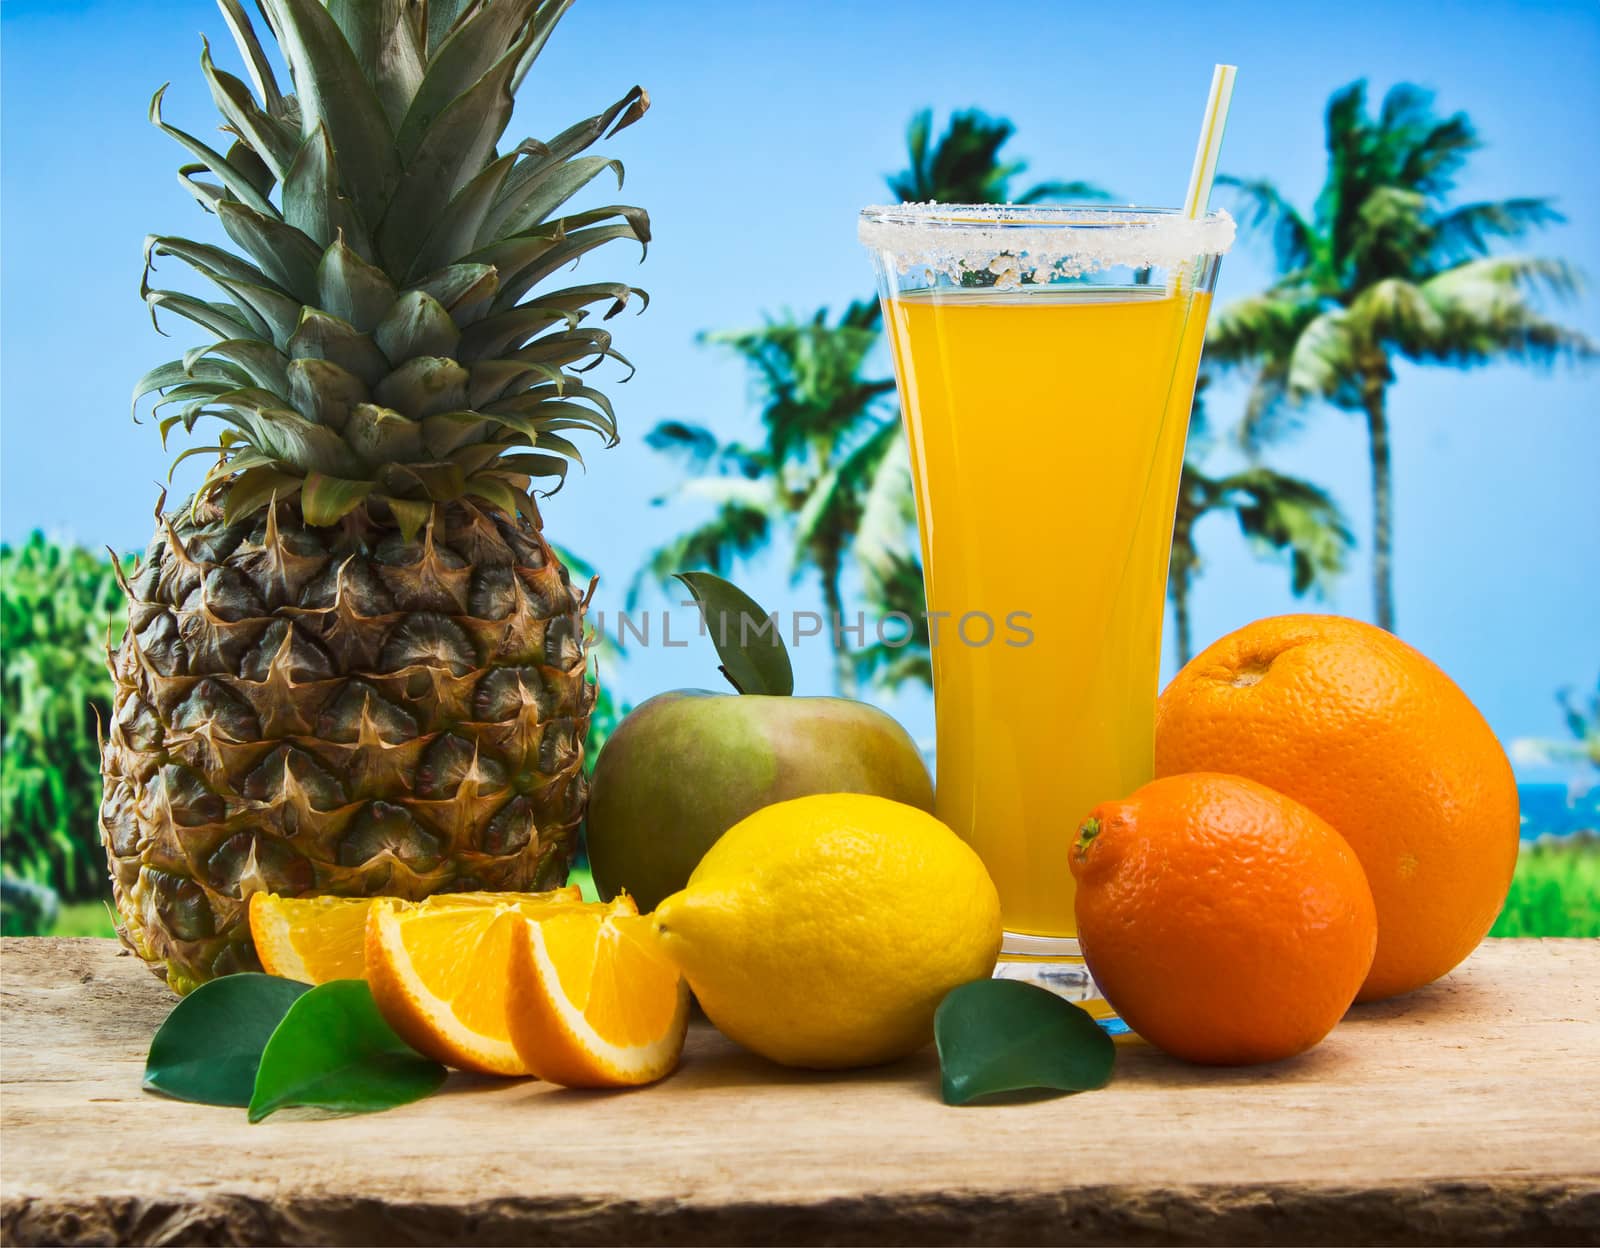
(1467, 1112)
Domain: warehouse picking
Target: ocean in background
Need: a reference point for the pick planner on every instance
(1552, 810)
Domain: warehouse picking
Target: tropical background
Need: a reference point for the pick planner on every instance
(1397, 418)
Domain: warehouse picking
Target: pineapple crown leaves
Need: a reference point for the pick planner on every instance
(381, 339)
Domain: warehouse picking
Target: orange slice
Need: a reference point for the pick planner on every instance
(594, 1003)
(315, 939)
(439, 976)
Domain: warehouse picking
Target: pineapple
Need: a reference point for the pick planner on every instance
(354, 665)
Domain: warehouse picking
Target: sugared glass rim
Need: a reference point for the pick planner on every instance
(1040, 239)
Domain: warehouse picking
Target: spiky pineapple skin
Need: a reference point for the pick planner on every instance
(337, 710)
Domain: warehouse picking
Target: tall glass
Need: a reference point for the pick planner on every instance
(1046, 361)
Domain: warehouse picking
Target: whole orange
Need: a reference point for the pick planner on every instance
(1367, 732)
(1226, 922)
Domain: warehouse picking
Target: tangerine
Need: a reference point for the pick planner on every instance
(1226, 922)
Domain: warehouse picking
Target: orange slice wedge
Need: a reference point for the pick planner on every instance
(594, 1003)
(439, 979)
(315, 939)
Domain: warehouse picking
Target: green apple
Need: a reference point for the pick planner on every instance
(685, 766)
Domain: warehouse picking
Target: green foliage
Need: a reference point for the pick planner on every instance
(59, 608)
(1556, 890)
(85, 918)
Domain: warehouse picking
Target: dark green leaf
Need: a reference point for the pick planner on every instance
(337, 98)
(416, 324)
(334, 1051)
(425, 385)
(350, 288)
(255, 57)
(321, 336)
(550, 156)
(543, 195)
(271, 140)
(495, 492)
(323, 392)
(261, 361)
(211, 1044)
(453, 150)
(457, 64)
(454, 231)
(463, 290)
(748, 641)
(282, 251)
(1002, 1035)
(312, 201)
(213, 160)
(386, 44)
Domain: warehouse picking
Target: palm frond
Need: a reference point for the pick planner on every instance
(1259, 327)
(836, 501)
(1322, 358)
(886, 530)
(964, 166)
(1269, 414)
(1467, 231)
(1262, 206)
(897, 591)
(1389, 234)
(736, 531)
(1487, 311)
(1289, 515)
(1434, 160)
(1393, 313)
(694, 444)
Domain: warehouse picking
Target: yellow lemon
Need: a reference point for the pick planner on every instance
(824, 931)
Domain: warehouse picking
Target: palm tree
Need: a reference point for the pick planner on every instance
(1385, 266)
(964, 166)
(826, 429)
(1583, 722)
(1276, 512)
(831, 464)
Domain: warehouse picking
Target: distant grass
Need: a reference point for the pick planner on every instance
(84, 918)
(1556, 890)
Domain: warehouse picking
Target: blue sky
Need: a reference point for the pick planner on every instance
(771, 125)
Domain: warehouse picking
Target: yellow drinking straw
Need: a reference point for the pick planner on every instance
(1205, 155)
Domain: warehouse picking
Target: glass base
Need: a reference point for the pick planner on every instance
(1055, 963)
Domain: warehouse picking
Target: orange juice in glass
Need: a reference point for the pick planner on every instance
(1046, 361)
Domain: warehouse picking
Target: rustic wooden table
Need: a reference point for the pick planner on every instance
(1467, 1112)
